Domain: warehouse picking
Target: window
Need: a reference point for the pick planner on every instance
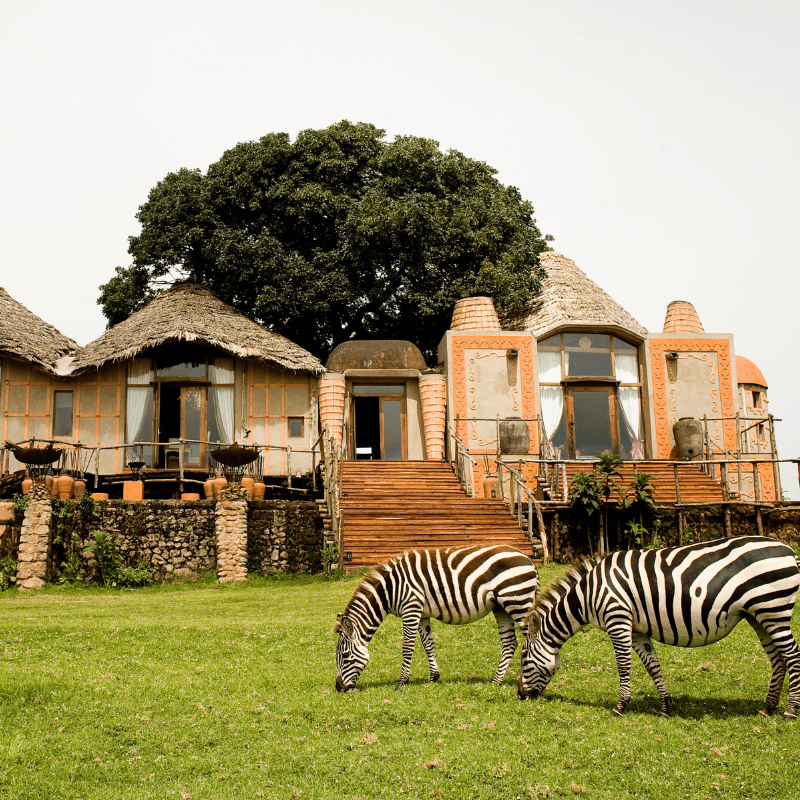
(62, 414)
(296, 427)
(756, 399)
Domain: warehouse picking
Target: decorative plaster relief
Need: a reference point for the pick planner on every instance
(465, 397)
(665, 399)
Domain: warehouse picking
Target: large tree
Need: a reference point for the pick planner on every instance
(339, 234)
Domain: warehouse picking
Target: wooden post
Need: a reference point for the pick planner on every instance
(555, 536)
(759, 521)
(289, 466)
(756, 482)
(680, 526)
(677, 485)
(774, 454)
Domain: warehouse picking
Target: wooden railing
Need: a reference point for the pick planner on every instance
(331, 459)
(518, 496)
(463, 465)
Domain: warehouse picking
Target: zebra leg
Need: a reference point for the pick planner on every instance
(778, 663)
(427, 642)
(643, 648)
(411, 619)
(621, 639)
(508, 641)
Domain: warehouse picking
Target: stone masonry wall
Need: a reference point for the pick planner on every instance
(284, 536)
(10, 526)
(179, 536)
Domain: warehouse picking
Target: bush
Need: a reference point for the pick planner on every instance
(8, 572)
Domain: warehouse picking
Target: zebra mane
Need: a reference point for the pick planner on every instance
(372, 578)
(554, 592)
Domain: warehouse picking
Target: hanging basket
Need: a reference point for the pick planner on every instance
(234, 459)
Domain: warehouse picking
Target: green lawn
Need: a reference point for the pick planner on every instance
(209, 691)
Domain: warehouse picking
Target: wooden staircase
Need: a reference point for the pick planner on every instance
(695, 485)
(392, 506)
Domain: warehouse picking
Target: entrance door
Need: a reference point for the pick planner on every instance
(592, 423)
(182, 415)
(379, 422)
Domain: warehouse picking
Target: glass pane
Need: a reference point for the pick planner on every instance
(62, 418)
(551, 343)
(295, 427)
(592, 423)
(621, 346)
(588, 354)
(192, 423)
(392, 430)
(382, 390)
(187, 369)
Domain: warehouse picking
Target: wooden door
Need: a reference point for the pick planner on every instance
(591, 421)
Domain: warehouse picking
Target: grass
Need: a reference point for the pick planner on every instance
(209, 691)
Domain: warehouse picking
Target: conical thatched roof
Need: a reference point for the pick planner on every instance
(568, 296)
(25, 336)
(189, 312)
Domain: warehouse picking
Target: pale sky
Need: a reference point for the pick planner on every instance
(658, 142)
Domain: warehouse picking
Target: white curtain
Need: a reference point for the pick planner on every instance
(552, 397)
(627, 368)
(137, 405)
(552, 408)
(224, 412)
(222, 370)
(141, 371)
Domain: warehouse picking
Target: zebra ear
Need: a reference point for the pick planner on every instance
(344, 625)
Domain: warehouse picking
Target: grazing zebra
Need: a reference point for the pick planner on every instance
(687, 596)
(455, 585)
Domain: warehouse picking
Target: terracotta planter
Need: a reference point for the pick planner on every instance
(190, 496)
(515, 437)
(133, 490)
(52, 486)
(26, 485)
(64, 486)
(208, 489)
(490, 486)
(99, 496)
(475, 314)
(247, 484)
(218, 484)
(259, 490)
(78, 489)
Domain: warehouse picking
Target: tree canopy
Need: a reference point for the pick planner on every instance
(337, 235)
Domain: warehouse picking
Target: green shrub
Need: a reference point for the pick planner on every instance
(8, 572)
(135, 577)
(103, 546)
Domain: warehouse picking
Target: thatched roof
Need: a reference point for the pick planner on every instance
(25, 336)
(567, 297)
(189, 312)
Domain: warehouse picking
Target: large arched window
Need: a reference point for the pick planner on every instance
(590, 396)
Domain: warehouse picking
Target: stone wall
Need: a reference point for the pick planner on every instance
(179, 536)
(567, 532)
(10, 526)
(284, 536)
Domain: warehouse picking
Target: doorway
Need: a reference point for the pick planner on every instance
(378, 431)
(181, 415)
(592, 429)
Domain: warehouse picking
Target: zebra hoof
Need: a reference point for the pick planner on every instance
(400, 685)
(790, 716)
(664, 714)
(617, 711)
(765, 712)
(435, 677)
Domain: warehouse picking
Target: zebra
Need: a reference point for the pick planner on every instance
(456, 585)
(687, 596)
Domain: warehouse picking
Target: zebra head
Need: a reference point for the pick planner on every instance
(539, 663)
(351, 654)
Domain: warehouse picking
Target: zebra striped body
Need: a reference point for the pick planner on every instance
(457, 585)
(686, 596)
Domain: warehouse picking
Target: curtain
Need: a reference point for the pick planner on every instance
(138, 397)
(224, 412)
(552, 397)
(627, 368)
(222, 370)
(141, 371)
(632, 411)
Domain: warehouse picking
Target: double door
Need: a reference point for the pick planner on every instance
(591, 414)
(378, 422)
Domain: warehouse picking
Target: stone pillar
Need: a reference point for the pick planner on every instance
(433, 395)
(35, 540)
(331, 404)
(231, 530)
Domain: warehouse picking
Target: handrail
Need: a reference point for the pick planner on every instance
(464, 465)
(332, 481)
(519, 491)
